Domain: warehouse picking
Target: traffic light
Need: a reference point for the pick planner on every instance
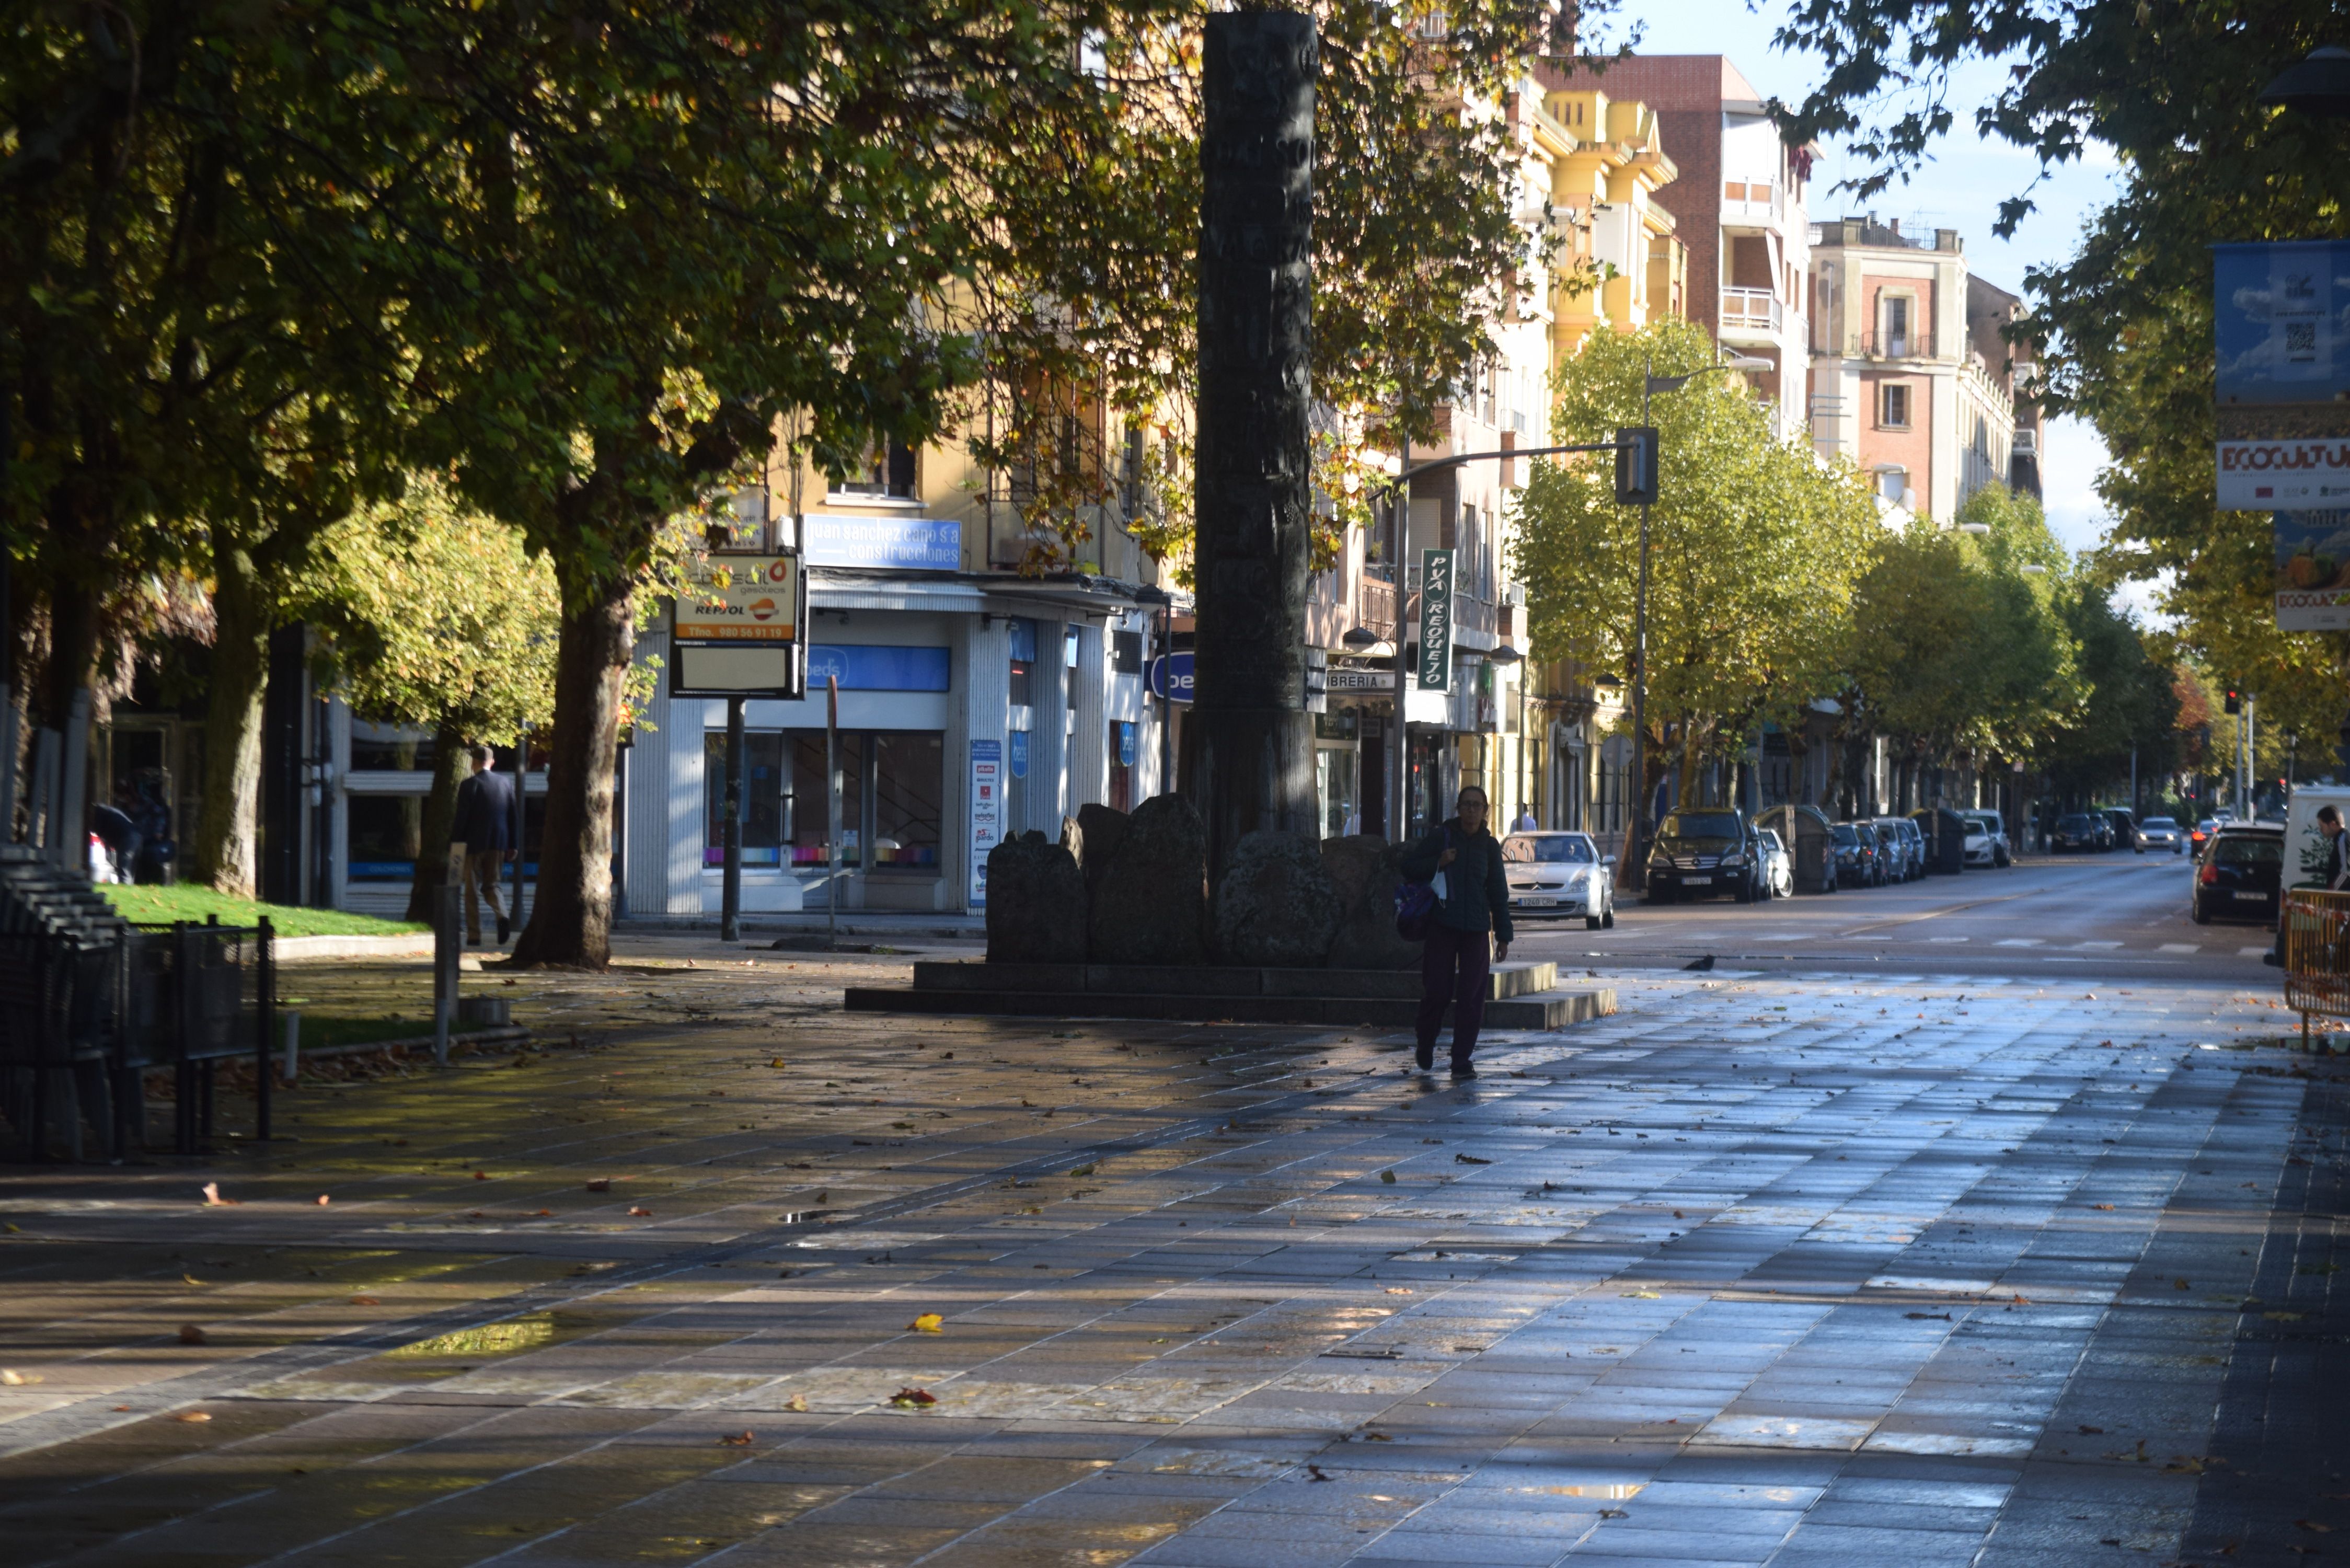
(2235, 698)
(1636, 465)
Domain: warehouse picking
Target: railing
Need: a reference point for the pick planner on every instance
(1749, 309)
(2026, 444)
(1894, 345)
(1374, 605)
(2314, 940)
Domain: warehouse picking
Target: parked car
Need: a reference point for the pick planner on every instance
(2239, 874)
(1560, 874)
(1986, 838)
(2201, 836)
(1698, 852)
(2161, 833)
(1778, 866)
(2103, 823)
(1908, 846)
(1855, 856)
(2073, 831)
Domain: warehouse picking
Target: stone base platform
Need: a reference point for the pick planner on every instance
(1520, 995)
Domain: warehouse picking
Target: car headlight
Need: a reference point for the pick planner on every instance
(1733, 860)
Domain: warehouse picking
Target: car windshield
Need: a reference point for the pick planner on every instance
(1552, 848)
(2071, 824)
(1846, 834)
(2162, 822)
(1700, 824)
(2248, 850)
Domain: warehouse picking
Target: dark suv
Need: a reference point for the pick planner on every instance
(1701, 852)
(2239, 874)
(2075, 831)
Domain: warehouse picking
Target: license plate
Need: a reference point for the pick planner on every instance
(2263, 897)
(1537, 901)
(1698, 881)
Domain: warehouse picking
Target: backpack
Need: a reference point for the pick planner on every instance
(1415, 905)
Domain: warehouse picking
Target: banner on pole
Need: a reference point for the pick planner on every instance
(2312, 570)
(1436, 620)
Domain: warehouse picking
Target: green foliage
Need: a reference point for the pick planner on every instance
(193, 903)
(436, 615)
(1755, 547)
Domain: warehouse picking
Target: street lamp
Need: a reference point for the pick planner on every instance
(1651, 383)
(2291, 741)
(2318, 87)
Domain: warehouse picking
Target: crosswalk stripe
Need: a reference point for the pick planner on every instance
(2019, 941)
(2181, 948)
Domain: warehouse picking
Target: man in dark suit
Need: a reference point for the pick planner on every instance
(485, 826)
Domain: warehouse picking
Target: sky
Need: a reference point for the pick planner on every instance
(1960, 188)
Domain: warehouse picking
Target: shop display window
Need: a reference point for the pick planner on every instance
(893, 800)
(765, 819)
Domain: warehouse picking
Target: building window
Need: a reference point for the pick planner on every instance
(888, 471)
(892, 789)
(766, 822)
(1893, 483)
(1893, 407)
(1897, 325)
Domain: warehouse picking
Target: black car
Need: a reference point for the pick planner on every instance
(2239, 874)
(2075, 831)
(1859, 863)
(1702, 852)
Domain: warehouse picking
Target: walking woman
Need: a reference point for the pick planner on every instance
(1473, 900)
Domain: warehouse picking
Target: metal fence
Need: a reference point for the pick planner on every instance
(2314, 938)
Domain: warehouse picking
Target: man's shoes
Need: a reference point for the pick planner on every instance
(1462, 1072)
(2272, 959)
(1426, 1056)
(505, 929)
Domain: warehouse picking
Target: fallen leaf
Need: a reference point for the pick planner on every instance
(542, 1214)
(640, 1213)
(601, 1184)
(2105, 1206)
(1388, 1176)
(1468, 1159)
(191, 1334)
(365, 1301)
(1643, 1295)
(1376, 1438)
(191, 1417)
(737, 1440)
(914, 1398)
(2180, 1285)
(13, 1378)
(1314, 1473)
(2093, 1431)
(1082, 1171)
(212, 1199)
(2281, 1317)
(1399, 1290)
(2313, 1525)
(797, 1402)
(928, 1322)
(324, 1200)
(481, 1176)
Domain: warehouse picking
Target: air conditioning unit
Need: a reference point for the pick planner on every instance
(1513, 593)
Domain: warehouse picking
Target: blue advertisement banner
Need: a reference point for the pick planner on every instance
(879, 667)
(1125, 729)
(916, 544)
(2280, 315)
(1019, 758)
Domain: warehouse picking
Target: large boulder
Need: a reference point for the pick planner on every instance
(1151, 903)
(1365, 871)
(1104, 829)
(1035, 902)
(1275, 905)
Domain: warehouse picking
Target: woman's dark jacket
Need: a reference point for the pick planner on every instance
(1476, 893)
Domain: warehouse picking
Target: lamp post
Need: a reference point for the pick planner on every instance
(1153, 598)
(1651, 384)
(2291, 743)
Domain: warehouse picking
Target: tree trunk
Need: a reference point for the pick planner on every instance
(571, 915)
(1692, 755)
(440, 817)
(225, 850)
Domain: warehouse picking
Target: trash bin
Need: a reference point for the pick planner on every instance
(1946, 839)
(1810, 839)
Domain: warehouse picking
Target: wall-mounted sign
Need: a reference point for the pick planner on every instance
(1019, 750)
(2312, 571)
(986, 812)
(1343, 678)
(912, 544)
(1122, 738)
(1170, 676)
(1435, 620)
(740, 598)
(876, 666)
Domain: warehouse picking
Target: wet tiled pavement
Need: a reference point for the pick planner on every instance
(1798, 1269)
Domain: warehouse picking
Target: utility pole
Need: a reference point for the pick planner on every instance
(730, 831)
(1399, 765)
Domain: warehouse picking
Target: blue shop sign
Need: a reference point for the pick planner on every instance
(1019, 750)
(1171, 670)
(879, 667)
(1125, 731)
(919, 543)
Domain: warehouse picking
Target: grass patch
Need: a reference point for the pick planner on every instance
(194, 904)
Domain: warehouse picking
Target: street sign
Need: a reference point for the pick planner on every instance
(1436, 620)
(740, 598)
(1170, 674)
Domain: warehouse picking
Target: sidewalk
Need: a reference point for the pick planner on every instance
(1884, 1270)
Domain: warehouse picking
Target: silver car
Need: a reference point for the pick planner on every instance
(1907, 846)
(1778, 866)
(1560, 874)
(2161, 833)
(1986, 838)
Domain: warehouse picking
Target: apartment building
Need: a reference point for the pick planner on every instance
(1910, 377)
(1740, 206)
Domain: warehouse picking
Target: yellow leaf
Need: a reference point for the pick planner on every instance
(928, 1322)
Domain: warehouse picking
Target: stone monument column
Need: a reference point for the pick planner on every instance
(1248, 743)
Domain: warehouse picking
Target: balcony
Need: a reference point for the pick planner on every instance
(1374, 605)
(1750, 202)
(1893, 346)
(2027, 444)
(1750, 310)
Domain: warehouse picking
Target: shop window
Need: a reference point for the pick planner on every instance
(386, 835)
(765, 824)
(390, 748)
(893, 800)
(1336, 772)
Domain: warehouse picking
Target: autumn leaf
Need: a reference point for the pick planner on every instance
(914, 1398)
(928, 1322)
